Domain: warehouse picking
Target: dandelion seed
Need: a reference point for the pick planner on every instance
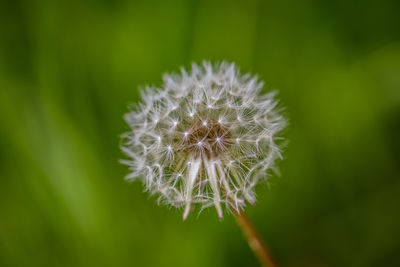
(224, 143)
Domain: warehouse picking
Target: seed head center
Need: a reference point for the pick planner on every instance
(206, 138)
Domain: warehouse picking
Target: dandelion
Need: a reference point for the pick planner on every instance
(205, 137)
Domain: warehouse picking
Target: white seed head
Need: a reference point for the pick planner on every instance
(205, 137)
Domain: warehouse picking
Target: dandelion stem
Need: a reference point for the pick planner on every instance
(254, 239)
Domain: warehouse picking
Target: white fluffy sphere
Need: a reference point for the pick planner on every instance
(204, 137)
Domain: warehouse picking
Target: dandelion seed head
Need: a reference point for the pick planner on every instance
(205, 137)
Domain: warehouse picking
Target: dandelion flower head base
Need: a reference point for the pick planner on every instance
(205, 137)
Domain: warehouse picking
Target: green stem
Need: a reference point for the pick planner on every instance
(254, 239)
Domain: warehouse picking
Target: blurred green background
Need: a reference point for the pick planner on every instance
(68, 70)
